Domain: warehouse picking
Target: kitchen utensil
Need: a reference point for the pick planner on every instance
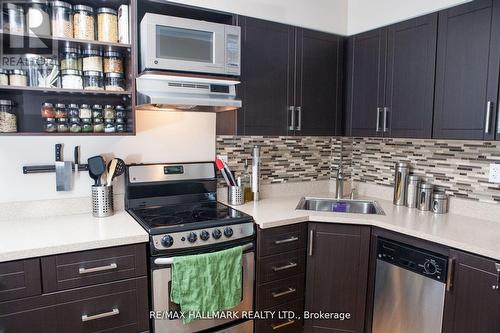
(229, 174)
(424, 196)
(220, 166)
(401, 172)
(97, 167)
(412, 191)
(63, 171)
(111, 171)
(76, 156)
(120, 168)
(439, 203)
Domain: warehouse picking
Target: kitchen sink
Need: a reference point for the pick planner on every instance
(340, 206)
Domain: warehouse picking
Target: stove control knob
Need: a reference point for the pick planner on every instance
(228, 232)
(192, 237)
(204, 235)
(167, 241)
(216, 233)
(430, 267)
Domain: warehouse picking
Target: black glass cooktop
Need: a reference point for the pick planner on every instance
(186, 216)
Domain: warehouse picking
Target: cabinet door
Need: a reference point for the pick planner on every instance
(318, 83)
(473, 304)
(337, 272)
(366, 82)
(466, 73)
(267, 77)
(411, 57)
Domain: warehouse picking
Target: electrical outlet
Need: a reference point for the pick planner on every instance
(223, 158)
(494, 173)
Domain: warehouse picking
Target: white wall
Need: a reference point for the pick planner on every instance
(161, 137)
(364, 15)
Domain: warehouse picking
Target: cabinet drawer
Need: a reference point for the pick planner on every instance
(281, 266)
(279, 292)
(281, 239)
(19, 279)
(85, 268)
(277, 325)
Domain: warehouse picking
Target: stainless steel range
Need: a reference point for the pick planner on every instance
(177, 205)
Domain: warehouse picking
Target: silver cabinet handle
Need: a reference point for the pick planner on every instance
(287, 240)
(311, 240)
(282, 268)
(283, 293)
(282, 325)
(377, 128)
(386, 127)
(299, 118)
(497, 286)
(498, 119)
(109, 267)
(451, 272)
(291, 109)
(111, 313)
(488, 116)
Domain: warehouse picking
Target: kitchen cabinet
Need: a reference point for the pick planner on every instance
(336, 275)
(391, 80)
(467, 71)
(473, 303)
(291, 81)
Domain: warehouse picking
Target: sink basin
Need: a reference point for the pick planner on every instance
(340, 206)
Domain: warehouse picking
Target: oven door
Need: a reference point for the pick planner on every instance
(179, 44)
(161, 279)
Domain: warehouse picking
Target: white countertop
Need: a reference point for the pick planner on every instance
(35, 237)
(461, 232)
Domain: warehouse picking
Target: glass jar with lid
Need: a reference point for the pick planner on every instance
(48, 73)
(75, 125)
(62, 19)
(61, 111)
(87, 126)
(8, 118)
(109, 126)
(98, 125)
(83, 22)
(107, 25)
(38, 18)
(13, 18)
(92, 80)
(18, 77)
(97, 111)
(71, 79)
(73, 111)
(113, 62)
(49, 125)
(121, 124)
(71, 59)
(62, 125)
(109, 112)
(4, 77)
(92, 60)
(114, 82)
(85, 111)
(47, 110)
(121, 111)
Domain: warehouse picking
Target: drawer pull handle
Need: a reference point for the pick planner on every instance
(283, 293)
(497, 286)
(285, 324)
(287, 240)
(109, 267)
(282, 268)
(111, 313)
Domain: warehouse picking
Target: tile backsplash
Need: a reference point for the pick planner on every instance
(459, 167)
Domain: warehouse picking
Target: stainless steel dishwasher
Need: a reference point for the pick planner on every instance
(410, 286)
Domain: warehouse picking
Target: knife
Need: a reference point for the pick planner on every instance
(76, 158)
(64, 171)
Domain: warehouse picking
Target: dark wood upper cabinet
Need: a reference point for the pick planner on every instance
(411, 57)
(336, 277)
(473, 304)
(366, 82)
(467, 71)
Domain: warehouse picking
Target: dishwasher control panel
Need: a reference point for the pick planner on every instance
(426, 263)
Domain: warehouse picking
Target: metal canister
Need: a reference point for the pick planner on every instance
(440, 203)
(412, 191)
(424, 196)
(401, 173)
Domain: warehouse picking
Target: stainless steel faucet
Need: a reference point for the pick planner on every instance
(339, 186)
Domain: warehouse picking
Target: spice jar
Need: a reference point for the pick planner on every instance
(13, 18)
(75, 125)
(62, 125)
(109, 112)
(49, 125)
(98, 125)
(48, 73)
(18, 77)
(87, 126)
(61, 111)
(109, 126)
(92, 60)
(38, 18)
(73, 111)
(62, 19)
(85, 111)
(71, 59)
(92, 80)
(8, 118)
(107, 25)
(4, 77)
(114, 82)
(48, 110)
(72, 79)
(83, 22)
(120, 128)
(97, 111)
(121, 111)
(113, 62)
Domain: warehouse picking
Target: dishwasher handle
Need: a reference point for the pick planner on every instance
(450, 274)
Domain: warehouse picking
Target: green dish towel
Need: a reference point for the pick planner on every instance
(207, 282)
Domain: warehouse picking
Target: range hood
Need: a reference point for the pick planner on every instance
(186, 93)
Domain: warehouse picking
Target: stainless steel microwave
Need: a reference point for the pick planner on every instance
(178, 44)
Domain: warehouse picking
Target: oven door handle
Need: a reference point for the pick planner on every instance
(170, 261)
